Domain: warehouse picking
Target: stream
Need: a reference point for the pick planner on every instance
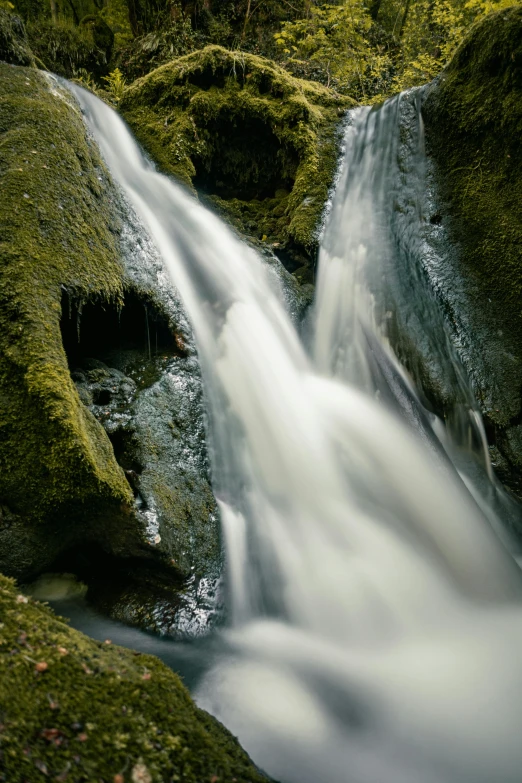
(374, 599)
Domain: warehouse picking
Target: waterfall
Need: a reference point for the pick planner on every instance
(376, 624)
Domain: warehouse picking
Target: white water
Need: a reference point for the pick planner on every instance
(377, 622)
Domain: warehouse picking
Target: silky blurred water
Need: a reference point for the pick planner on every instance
(376, 616)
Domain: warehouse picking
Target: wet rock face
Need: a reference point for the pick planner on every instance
(135, 368)
(473, 119)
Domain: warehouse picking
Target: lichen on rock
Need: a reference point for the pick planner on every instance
(258, 144)
(73, 708)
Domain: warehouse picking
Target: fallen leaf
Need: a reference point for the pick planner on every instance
(50, 734)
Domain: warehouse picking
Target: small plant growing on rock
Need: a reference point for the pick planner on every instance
(116, 83)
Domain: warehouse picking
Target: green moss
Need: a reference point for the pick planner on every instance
(257, 142)
(57, 230)
(98, 710)
(474, 129)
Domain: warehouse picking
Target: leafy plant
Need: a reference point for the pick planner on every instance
(65, 48)
(335, 39)
(116, 83)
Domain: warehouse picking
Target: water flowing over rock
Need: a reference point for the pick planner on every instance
(367, 561)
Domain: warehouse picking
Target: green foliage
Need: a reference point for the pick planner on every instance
(115, 84)
(158, 46)
(64, 48)
(14, 46)
(335, 37)
(431, 32)
(76, 709)
(372, 51)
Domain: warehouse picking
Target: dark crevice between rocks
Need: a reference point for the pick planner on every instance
(247, 160)
(133, 590)
(115, 349)
(117, 333)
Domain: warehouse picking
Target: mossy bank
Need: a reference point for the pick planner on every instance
(102, 443)
(73, 709)
(58, 231)
(473, 115)
(257, 143)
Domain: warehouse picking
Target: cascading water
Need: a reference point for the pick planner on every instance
(376, 619)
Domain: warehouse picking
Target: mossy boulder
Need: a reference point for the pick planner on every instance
(14, 46)
(58, 231)
(75, 709)
(473, 116)
(257, 143)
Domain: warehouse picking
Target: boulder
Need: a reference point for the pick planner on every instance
(256, 143)
(74, 708)
(103, 464)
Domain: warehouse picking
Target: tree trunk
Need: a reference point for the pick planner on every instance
(404, 18)
(247, 17)
(375, 7)
(54, 11)
(74, 12)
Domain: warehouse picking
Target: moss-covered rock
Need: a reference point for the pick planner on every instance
(474, 127)
(257, 142)
(473, 115)
(14, 46)
(58, 230)
(75, 709)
